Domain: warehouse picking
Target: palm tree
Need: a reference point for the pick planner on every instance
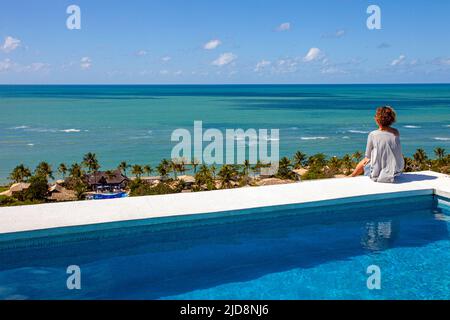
(164, 168)
(227, 173)
(80, 188)
(420, 156)
(246, 166)
(440, 153)
(318, 160)
(194, 164)
(90, 162)
(76, 180)
(203, 176)
(180, 165)
(409, 165)
(204, 170)
(334, 164)
(299, 159)
(183, 165)
(123, 166)
(44, 169)
(213, 169)
(284, 169)
(357, 156)
(175, 166)
(347, 163)
(147, 169)
(62, 169)
(137, 170)
(76, 171)
(20, 173)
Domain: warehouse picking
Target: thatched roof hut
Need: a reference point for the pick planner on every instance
(16, 188)
(107, 179)
(189, 180)
(59, 193)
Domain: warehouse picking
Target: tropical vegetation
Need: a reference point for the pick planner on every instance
(172, 179)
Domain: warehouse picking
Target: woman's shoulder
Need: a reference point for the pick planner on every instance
(393, 131)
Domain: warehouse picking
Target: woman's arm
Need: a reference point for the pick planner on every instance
(360, 167)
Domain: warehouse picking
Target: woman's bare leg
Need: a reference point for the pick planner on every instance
(359, 168)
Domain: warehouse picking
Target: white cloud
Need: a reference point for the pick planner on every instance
(399, 61)
(37, 66)
(141, 53)
(262, 65)
(224, 59)
(287, 65)
(403, 61)
(5, 65)
(8, 65)
(313, 54)
(210, 45)
(166, 59)
(85, 63)
(10, 44)
(338, 34)
(441, 61)
(332, 70)
(280, 66)
(178, 73)
(164, 72)
(285, 26)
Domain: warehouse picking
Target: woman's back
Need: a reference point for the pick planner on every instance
(385, 153)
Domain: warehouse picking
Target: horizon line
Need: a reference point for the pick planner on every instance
(220, 84)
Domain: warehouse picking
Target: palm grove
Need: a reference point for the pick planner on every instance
(206, 177)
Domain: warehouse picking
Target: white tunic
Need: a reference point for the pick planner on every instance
(385, 154)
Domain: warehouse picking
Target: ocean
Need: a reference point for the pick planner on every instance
(134, 123)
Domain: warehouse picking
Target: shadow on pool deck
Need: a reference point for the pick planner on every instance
(413, 177)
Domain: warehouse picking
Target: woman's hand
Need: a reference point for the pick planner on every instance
(360, 167)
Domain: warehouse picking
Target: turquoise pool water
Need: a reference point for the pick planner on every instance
(316, 253)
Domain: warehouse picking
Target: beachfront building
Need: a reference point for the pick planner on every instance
(188, 180)
(58, 193)
(105, 181)
(152, 180)
(15, 189)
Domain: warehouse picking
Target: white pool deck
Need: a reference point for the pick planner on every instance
(307, 193)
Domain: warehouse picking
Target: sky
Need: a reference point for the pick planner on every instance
(224, 42)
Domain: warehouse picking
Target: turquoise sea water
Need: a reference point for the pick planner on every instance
(134, 123)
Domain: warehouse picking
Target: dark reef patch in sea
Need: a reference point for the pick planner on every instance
(335, 103)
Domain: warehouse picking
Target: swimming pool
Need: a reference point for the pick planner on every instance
(297, 253)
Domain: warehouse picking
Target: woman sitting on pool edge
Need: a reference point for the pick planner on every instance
(383, 159)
